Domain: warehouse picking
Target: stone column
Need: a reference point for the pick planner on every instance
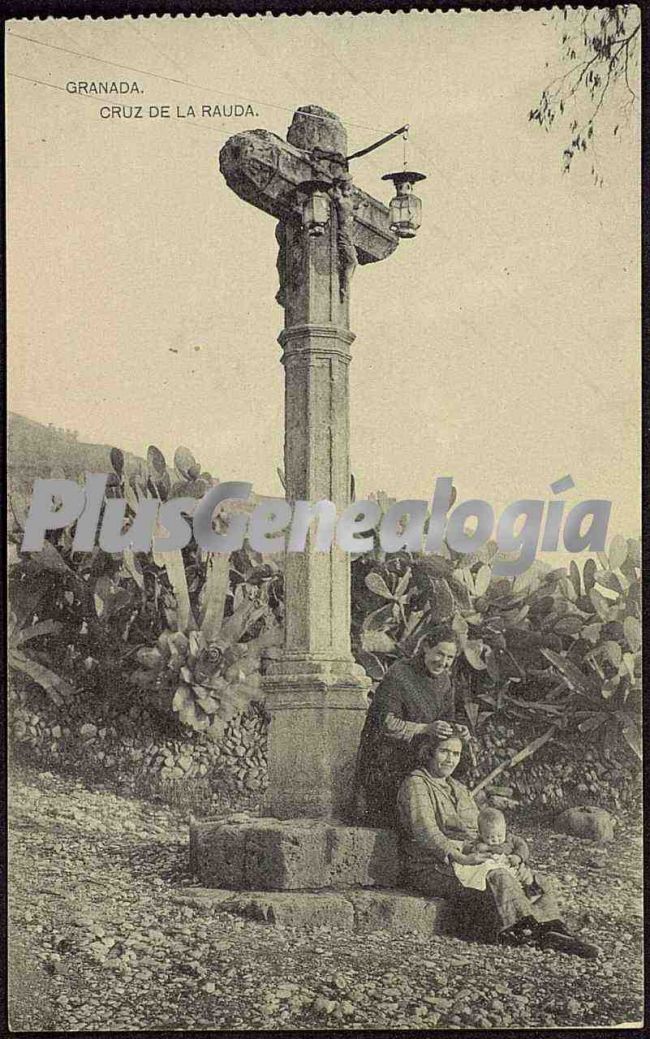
(316, 694)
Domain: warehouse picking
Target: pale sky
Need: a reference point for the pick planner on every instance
(501, 346)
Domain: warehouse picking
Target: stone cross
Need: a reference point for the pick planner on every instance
(316, 693)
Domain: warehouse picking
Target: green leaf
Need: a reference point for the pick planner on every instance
(175, 568)
(240, 621)
(618, 550)
(600, 604)
(575, 678)
(48, 627)
(634, 551)
(183, 699)
(629, 664)
(273, 635)
(212, 600)
(632, 737)
(149, 658)
(132, 567)
(482, 580)
(472, 711)
(472, 650)
(464, 577)
(514, 617)
(206, 701)
(371, 664)
(378, 619)
(117, 460)
(589, 575)
(474, 618)
(460, 626)
(487, 552)
(216, 683)
(613, 652)
(156, 461)
(441, 599)
(492, 665)
(553, 576)
(574, 575)
(132, 496)
(593, 722)
(542, 605)
(623, 582)
(196, 643)
(193, 716)
(184, 460)
(376, 584)
(235, 699)
(606, 579)
(217, 728)
(566, 586)
(568, 625)
(48, 680)
(49, 558)
(524, 582)
(175, 642)
(101, 594)
(377, 642)
(403, 583)
(412, 622)
(632, 629)
(432, 565)
(591, 632)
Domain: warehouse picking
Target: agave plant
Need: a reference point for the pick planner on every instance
(208, 677)
(609, 710)
(20, 633)
(200, 668)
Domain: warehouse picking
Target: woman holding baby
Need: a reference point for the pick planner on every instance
(453, 851)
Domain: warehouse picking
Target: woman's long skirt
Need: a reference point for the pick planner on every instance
(485, 914)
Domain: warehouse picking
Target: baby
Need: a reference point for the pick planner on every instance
(506, 852)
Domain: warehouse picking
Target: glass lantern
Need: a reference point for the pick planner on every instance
(316, 211)
(405, 208)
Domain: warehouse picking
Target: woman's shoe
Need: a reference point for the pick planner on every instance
(522, 933)
(562, 941)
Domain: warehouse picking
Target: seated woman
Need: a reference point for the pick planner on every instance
(416, 697)
(438, 815)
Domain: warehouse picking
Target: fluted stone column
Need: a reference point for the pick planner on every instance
(316, 694)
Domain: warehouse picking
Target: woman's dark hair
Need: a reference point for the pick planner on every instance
(434, 635)
(427, 744)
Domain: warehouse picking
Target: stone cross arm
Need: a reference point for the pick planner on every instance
(268, 172)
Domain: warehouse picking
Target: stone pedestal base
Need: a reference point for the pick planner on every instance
(353, 910)
(276, 855)
(316, 722)
(307, 873)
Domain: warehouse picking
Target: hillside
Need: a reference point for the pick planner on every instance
(35, 450)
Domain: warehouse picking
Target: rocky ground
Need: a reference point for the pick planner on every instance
(98, 942)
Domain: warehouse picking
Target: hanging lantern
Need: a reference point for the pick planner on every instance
(405, 208)
(315, 209)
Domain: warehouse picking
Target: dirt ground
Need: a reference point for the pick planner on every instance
(98, 942)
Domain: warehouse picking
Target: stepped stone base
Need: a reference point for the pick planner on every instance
(287, 855)
(353, 910)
